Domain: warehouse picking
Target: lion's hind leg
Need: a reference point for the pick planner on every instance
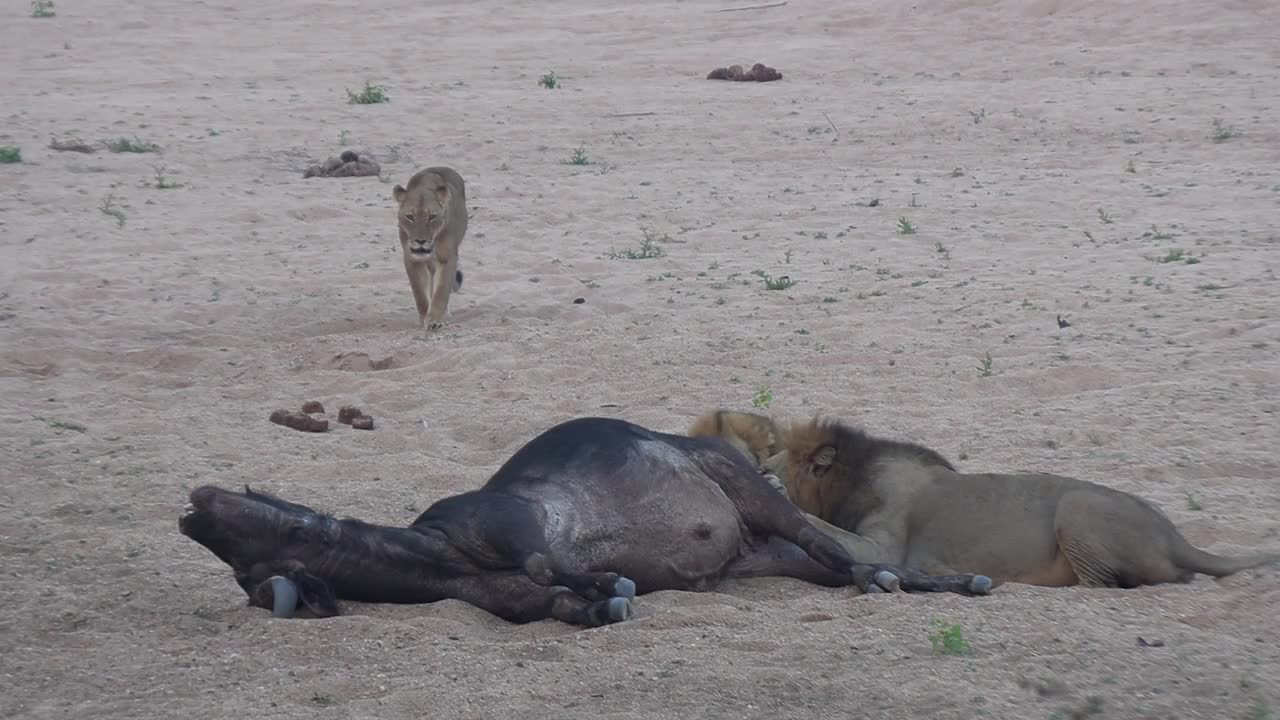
(1111, 542)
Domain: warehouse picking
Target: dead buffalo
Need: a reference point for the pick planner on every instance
(578, 522)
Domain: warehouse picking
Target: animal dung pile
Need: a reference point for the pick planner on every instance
(306, 421)
(758, 73)
(348, 164)
(352, 416)
(299, 421)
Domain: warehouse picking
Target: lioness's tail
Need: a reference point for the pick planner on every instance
(457, 280)
(1189, 557)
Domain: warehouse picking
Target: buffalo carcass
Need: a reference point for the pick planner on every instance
(573, 526)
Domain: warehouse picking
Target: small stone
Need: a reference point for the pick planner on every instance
(347, 413)
(364, 422)
(312, 406)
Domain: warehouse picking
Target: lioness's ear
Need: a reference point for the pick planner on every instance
(825, 456)
(398, 193)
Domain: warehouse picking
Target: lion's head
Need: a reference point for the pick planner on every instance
(423, 212)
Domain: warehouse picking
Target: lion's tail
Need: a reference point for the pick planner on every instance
(457, 280)
(1189, 557)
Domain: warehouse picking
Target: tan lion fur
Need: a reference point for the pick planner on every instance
(432, 219)
(897, 502)
(755, 436)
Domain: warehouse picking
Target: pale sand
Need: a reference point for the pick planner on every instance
(171, 339)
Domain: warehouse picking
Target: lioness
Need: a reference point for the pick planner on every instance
(897, 502)
(433, 220)
(755, 436)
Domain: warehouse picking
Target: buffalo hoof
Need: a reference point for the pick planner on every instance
(980, 585)
(618, 609)
(624, 588)
(887, 581)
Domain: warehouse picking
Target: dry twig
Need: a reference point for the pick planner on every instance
(754, 7)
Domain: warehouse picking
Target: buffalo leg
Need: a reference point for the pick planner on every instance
(766, 512)
(510, 596)
(776, 557)
(517, 598)
(523, 539)
(503, 532)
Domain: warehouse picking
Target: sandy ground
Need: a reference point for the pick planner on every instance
(1049, 154)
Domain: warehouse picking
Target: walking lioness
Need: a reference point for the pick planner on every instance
(433, 220)
(896, 502)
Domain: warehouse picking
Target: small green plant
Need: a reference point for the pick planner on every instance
(162, 179)
(579, 157)
(782, 282)
(1130, 168)
(1193, 504)
(63, 425)
(948, 639)
(42, 9)
(905, 227)
(648, 250)
(1259, 710)
(762, 397)
(1223, 132)
(1104, 217)
(125, 145)
(550, 81)
(10, 154)
(984, 365)
(370, 95)
(1177, 255)
(109, 207)
(942, 250)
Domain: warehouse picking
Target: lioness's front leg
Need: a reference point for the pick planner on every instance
(441, 286)
(420, 283)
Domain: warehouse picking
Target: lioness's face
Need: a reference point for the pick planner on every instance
(422, 215)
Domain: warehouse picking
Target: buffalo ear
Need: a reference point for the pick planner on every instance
(315, 594)
(825, 456)
(398, 193)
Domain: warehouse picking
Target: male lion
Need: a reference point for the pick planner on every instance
(897, 502)
(432, 220)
